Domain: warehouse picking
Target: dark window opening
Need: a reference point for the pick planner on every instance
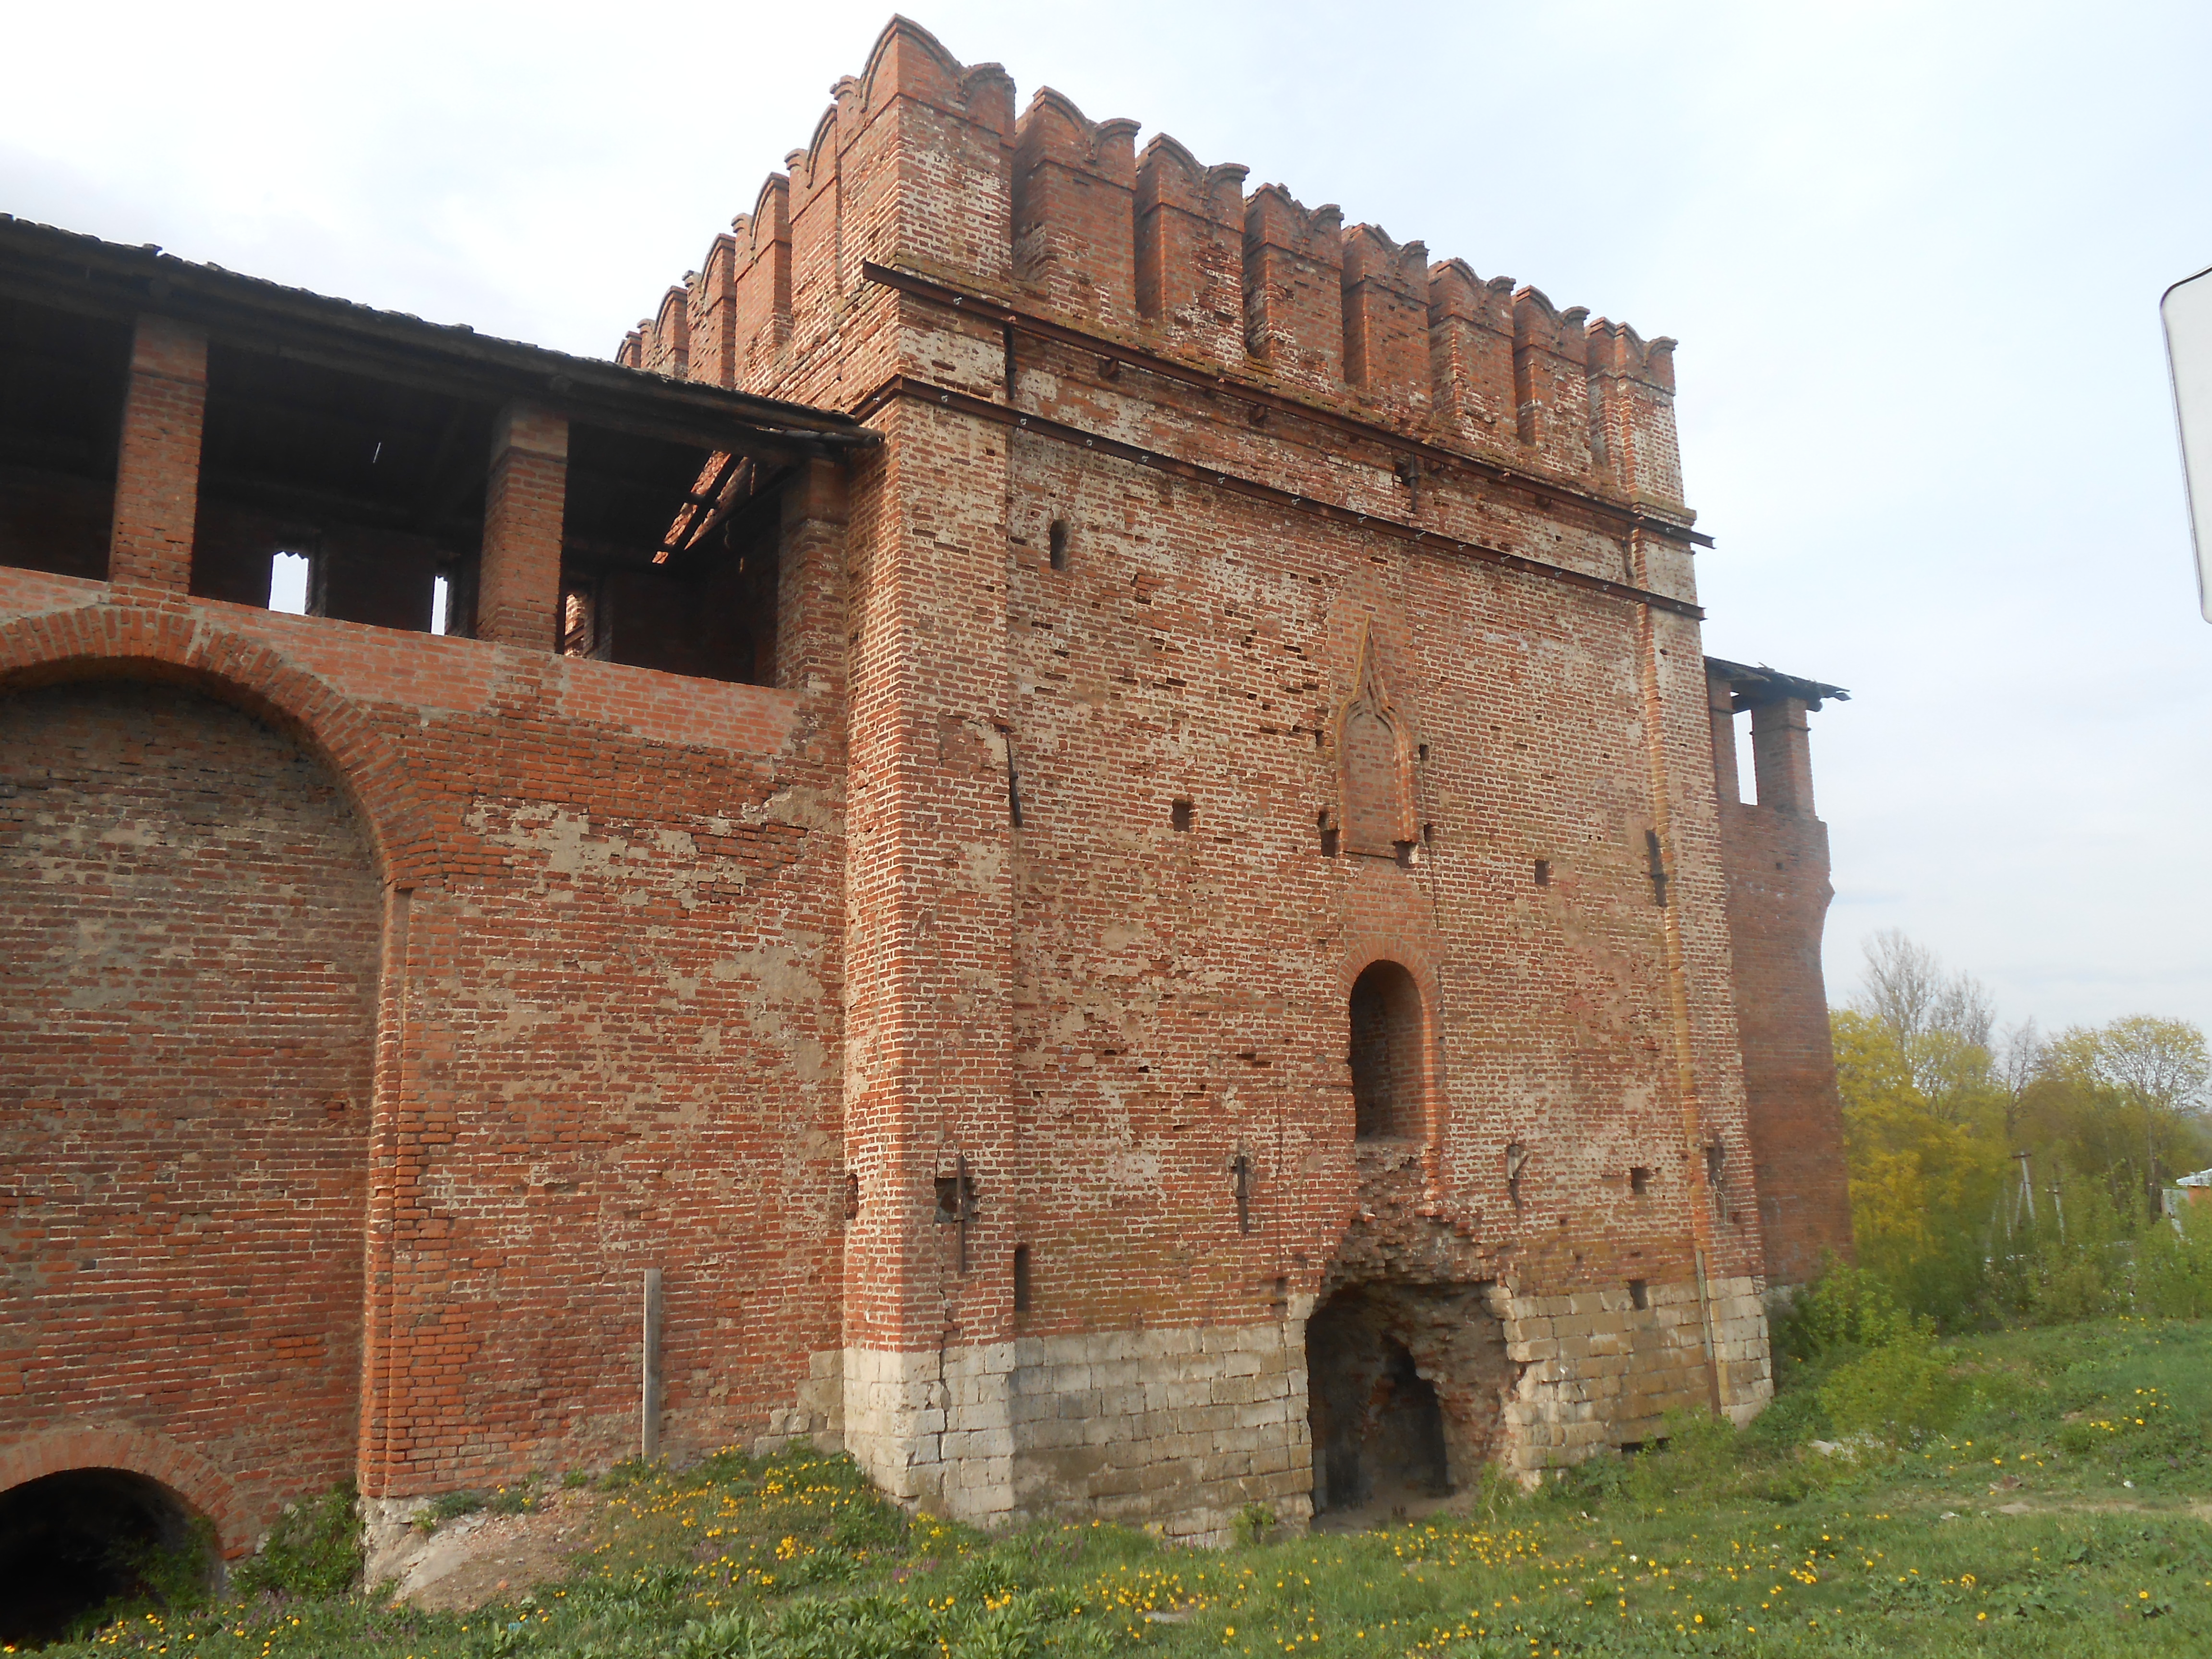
(1715, 1168)
(1240, 1168)
(1385, 1052)
(1639, 1293)
(1378, 1429)
(1056, 544)
(1022, 1287)
(1516, 1161)
(852, 1195)
(1424, 751)
(73, 1543)
(380, 485)
(1404, 851)
(62, 377)
(1543, 873)
(1180, 815)
(674, 549)
(1639, 1181)
(1332, 839)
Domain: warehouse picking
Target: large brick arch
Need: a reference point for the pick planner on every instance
(168, 644)
(192, 915)
(139, 1451)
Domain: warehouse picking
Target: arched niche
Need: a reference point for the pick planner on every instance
(1387, 1046)
(1375, 751)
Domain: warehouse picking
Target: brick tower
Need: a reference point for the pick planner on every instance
(1079, 810)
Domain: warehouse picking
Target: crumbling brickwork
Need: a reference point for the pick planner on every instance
(1776, 852)
(1209, 604)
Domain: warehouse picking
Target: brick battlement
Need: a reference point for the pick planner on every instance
(1063, 214)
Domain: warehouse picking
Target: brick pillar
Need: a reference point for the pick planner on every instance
(518, 585)
(929, 963)
(1782, 756)
(157, 473)
(1727, 781)
(809, 635)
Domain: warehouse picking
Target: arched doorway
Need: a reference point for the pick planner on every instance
(73, 1542)
(1389, 1077)
(1406, 1386)
(1378, 1432)
(189, 925)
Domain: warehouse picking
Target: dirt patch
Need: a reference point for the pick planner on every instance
(482, 1557)
(2201, 1511)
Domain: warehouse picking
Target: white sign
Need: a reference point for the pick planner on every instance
(2187, 309)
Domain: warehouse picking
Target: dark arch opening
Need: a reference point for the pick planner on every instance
(1386, 1053)
(76, 1543)
(1378, 1429)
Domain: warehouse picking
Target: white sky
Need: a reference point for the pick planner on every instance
(1913, 253)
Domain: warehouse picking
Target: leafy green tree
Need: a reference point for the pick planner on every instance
(2123, 1105)
(1925, 1178)
(2004, 1176)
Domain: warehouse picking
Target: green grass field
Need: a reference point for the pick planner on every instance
(2095, 1439)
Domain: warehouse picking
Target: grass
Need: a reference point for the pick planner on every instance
(1725, 1543)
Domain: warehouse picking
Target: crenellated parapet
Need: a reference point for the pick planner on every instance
(712, 319)
(1386, 318)
(1190, 252)
(1471, 356)
(1550, 380)
(668, 338)
(760, 287)
(921, 164)
(927, 173)
(1075, 185)
(1631, 399)
(1294, 287)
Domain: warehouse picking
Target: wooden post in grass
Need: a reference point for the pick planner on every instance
(649, 1438)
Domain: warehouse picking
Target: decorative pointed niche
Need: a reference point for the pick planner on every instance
(1375, 752)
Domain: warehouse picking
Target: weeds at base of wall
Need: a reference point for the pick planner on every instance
(182, 1576)
(1731, 1543)
(315, 1549)
(1254, 1525)
(518, 1497)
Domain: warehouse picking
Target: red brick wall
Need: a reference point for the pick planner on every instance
(1778, 894)
(188, 920)
(661, 960)
(607, 1038)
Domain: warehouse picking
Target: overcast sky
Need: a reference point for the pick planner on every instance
(1913, 254)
